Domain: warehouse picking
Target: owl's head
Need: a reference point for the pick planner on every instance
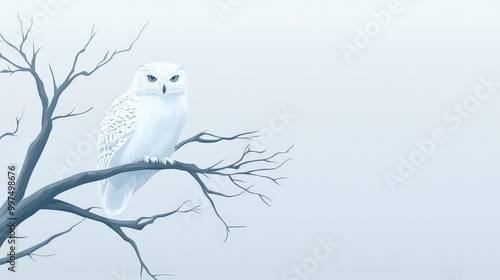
(160, 78)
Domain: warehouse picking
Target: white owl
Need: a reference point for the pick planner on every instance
(143, 124)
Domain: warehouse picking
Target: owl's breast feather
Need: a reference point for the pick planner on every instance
(158, 127)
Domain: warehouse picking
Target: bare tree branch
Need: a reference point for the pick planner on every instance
(29, 252)
(13, 133)
(71, 114)
(237, 183)
(19, 50)
(105, 60)
(18, 67)
(144, 267)
(42, 197)
(35, 201)
(214, 138)
(137, 224)
(39, 199)
(118, 225)
(93, 33)
(39, 255)
(24, 38)
(53, 76)
(10, 71)
(36, 147)
(207, 193)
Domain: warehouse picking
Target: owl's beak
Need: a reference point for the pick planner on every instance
(164, 89)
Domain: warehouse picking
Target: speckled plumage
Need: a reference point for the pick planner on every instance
(116, 127)
(146, 121)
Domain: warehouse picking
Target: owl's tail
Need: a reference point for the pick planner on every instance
(115, 192)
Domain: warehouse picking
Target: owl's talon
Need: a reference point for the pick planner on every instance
(150, 160)
(145, 159)
(168, 160)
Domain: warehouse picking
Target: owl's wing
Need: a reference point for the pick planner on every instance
(116, 127)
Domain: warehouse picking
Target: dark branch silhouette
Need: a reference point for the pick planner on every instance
(71, 114)
(118, 225)
(30, 251)
(236, 171)
(13, 133)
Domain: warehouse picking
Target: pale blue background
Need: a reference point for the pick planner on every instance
(351, 123)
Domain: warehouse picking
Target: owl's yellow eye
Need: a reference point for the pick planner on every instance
(152, 78)
(174, 78)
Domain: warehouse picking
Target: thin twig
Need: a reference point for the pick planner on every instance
(13, 133)
(71, 114)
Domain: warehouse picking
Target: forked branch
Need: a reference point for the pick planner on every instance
(13, 133)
